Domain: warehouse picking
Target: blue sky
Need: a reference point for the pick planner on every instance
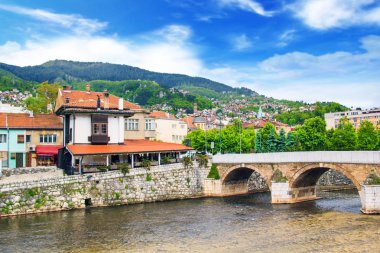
(311, 50)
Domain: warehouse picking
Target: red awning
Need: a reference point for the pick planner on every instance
(47, 150)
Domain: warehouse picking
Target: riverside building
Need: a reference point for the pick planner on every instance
(94, 130)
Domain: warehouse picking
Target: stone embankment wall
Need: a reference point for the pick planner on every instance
(101, 189)
(29, 174)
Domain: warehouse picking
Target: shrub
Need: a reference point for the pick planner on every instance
(278, 177)
(102, 168)
(124, 168)
(187, 162)
(166, 159)
(372, 179)
(213, 172)
(202, 160)
(146, 164)
(148, 177)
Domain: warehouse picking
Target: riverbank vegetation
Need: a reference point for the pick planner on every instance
(311, 136)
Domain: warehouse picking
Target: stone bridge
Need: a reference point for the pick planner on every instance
(292, 176)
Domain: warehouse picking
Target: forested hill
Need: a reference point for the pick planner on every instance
(61, 70)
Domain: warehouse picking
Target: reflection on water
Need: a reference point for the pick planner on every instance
(233, 224)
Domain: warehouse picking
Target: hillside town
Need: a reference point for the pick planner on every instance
(29, 140)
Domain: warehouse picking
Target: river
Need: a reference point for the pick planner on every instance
(233, 224)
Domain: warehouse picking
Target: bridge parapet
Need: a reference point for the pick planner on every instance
(348, 157)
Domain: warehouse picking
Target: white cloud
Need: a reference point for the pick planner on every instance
(325, 14)
(241, 42)
(75, 23)
(286, 37)
(174, 33)
(247, 5)
(157, 56)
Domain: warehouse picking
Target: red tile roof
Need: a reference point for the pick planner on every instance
(189, 121)
(88, 99)
(162, 115)
(130, 146)
(25, 121)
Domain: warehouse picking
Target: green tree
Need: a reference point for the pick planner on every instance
(258, 143)
(312, 134)
(291, 144)
(344, 137)
(368, 139)
(271, 142)
(265, 132)
(329, 137)
(48, 92)
(281, 141)
(36, 104)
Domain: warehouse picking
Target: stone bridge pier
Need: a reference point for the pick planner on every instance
(292, 177)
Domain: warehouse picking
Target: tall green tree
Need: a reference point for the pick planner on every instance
(368, 139)
(312, 134)
(344, 137)
(265, 132)
(291, 144)
(271, 142)
(258, 143)
(281, 141)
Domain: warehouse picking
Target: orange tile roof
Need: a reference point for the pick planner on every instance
(85, 99)
(25, 121)
(130, 146)
(162, 115)
(189, 121)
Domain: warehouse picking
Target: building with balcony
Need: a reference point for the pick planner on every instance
(94, 133)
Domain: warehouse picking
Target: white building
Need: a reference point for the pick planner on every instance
(167, 127)
(355, 117)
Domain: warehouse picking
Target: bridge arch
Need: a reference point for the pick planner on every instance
(309, 175)
(243, 172)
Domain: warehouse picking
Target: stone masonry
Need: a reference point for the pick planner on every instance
(102, 189)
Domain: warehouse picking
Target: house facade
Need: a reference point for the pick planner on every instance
(28, 140)
(355, 117)
(168, 128)
(94, 134)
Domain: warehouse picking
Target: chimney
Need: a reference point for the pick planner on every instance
(66, 87)
(106, 99)
(195, 108)
(98, 103)
(121, 104)
(88, 87)
(31, 114)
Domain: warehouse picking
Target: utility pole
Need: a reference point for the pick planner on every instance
(241, 129)
(219, 113)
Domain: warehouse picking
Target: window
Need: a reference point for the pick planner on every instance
(20, 138)
(99, 129)
(48, 138)
(149, 124)
(95, 129)
(182, 126)
(132, 124)
(173, 137)
(174, 126)
(104, 128)
(27, 138)
(3, 138)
